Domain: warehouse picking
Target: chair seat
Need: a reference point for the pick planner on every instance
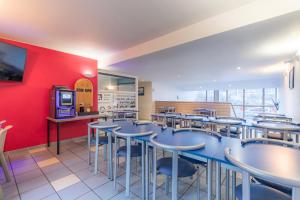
(233, 130)
(194, 161)
(278, 136)
(102, 140)
(262, 192)
(281, 188)
(136, 151)
(185, 168)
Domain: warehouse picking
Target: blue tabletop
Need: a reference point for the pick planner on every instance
(281, 161)
(275, 159)
(213, 146)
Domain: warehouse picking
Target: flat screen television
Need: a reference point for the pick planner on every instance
(12, 62)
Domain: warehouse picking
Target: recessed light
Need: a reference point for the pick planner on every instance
(178, 76)
(200, 87)
(214, 80)
(238, 68)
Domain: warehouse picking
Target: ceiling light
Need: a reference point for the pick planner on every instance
(110, 87)
(88, 74)
(238, 68)
(229, 85)
(214, 80)
(178, 76)
(200, 87)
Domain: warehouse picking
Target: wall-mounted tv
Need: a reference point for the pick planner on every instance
(12, 62)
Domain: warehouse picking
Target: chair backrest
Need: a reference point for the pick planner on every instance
(231, 118)
(270, 141)
(276, 122)
(2, 122)
(3, 133)
(213, 133)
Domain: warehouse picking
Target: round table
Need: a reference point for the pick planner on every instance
(284, 127)
(136, 129)
(273, 116)
(188, 119)
(272, 162)
(101, 126)
(184, 139)
(228, 122)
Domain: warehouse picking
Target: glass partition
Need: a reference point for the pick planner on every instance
(116, 93)
(108, 82)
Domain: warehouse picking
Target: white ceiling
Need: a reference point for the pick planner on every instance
(94, 28)
(258, 49)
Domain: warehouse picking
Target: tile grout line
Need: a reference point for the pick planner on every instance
(106, 174)
(12, 170)
(74, 172)
(45, 177)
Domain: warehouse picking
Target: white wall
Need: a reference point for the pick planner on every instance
(162, 92)
(290, 98)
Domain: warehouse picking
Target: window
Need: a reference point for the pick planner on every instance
(270, 96)
(235, 96)
(222, 96)
(201, 95)
(249, 102)
(253, 97)
(210, 96)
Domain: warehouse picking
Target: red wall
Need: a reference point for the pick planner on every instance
(25, 105)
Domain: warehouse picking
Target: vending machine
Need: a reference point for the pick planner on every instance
(62, 103)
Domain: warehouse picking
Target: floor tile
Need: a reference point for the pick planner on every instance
(28, 175)
(85, 173)
(32, 184)
(78, 166)
(10, 192)
(96, 180)
(58, 174)
(65, 182)
(89, 196)
(122, 179)
(121, 196)
(38, 193)
(73, 191)
(13, 198)
(37, 150)
(107, 190)
(20, 169)
(48, 162)
(52, 197)
(53, 168)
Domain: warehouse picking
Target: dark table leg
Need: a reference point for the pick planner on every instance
(58, 139)
(48, 133)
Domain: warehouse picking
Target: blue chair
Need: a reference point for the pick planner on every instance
(234, 132)
(281, 188)
(277, 135)
(262, 192)
(231, 124)
(185, 169)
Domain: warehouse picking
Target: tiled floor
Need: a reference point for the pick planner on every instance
(38, 173)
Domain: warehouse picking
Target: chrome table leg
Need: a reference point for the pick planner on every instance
(174, 174)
